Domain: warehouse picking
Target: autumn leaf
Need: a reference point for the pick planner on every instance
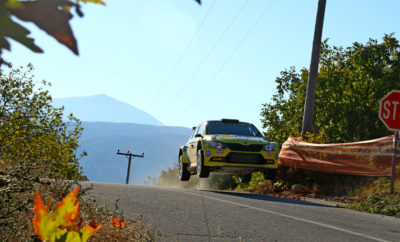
(118, 223)
(42, 222)
(60, 225)
(49, 16)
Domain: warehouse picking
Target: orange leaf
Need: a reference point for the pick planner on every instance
(41, 216)
(118, 223)
(67, 211)
(62, 221)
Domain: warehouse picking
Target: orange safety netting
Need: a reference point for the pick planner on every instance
(368, 158)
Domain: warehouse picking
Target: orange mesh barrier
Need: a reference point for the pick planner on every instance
(368, 158)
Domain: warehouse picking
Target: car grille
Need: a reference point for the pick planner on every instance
(240, 147)
(240, 158)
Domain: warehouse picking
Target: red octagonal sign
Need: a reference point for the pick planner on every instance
(389, 110)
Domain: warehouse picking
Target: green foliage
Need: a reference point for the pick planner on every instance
(375, 198)
(257, 178)
(379, 203)
(32, 132)
(351, 82)
(36, 146)
(259, 185)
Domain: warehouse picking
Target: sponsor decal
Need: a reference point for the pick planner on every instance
(220, 152)
(276, 156)
(208, 153)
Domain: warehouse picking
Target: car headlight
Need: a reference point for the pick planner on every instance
(218, 145)
(271, 147)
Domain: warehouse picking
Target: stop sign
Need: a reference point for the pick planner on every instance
(389, 110)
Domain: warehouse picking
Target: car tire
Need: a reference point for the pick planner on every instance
(202, 171)
(245, 178)
(184, 174)
(270, 174)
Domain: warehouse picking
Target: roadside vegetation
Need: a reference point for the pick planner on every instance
(369, 194)
(351, 82)
(38, 154)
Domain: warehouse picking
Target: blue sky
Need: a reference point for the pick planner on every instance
(160, 56)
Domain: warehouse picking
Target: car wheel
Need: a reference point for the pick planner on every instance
(270, 174)
(202, 171)
(184, 174)
(244, 178)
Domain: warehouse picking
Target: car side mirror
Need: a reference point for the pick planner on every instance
(198, 136)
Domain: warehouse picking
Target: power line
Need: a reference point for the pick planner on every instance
(178, 62)
(228, 59)
(206, 57)
(180, 58)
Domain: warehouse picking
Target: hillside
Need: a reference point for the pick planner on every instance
(102, 108)
(101, 140)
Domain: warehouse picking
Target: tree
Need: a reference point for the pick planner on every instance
(35, 143)
(351, 81)
(32, 131)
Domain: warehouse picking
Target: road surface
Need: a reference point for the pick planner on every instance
(201, 215)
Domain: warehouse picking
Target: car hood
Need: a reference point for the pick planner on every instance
(235, 138)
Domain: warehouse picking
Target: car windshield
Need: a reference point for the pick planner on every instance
(244, 129)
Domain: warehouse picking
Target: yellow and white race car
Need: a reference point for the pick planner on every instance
(227, 146)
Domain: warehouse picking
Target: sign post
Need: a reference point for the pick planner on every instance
(395, 144)
(389, 114)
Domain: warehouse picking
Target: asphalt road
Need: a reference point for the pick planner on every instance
(200, 215)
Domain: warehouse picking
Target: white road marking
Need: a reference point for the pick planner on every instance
(289, 216)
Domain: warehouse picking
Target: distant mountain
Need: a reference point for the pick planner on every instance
(104, 109)
(101, 141)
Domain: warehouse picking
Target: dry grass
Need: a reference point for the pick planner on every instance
(16, 221)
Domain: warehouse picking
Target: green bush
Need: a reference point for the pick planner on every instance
(379, 203)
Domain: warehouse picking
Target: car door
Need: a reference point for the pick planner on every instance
(198, 135)
(192, 145)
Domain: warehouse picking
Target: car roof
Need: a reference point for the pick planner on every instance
(226, 121)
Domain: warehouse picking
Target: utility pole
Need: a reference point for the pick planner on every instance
(130, 155)
(308, 122)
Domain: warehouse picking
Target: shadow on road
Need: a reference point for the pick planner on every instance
(271, 199)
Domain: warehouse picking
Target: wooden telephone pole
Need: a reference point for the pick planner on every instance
(308, 122)
(130, 155)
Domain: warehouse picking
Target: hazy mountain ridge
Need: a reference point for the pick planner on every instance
(104, 109)
(101, 140)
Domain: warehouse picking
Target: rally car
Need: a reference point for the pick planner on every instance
(227, 146)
